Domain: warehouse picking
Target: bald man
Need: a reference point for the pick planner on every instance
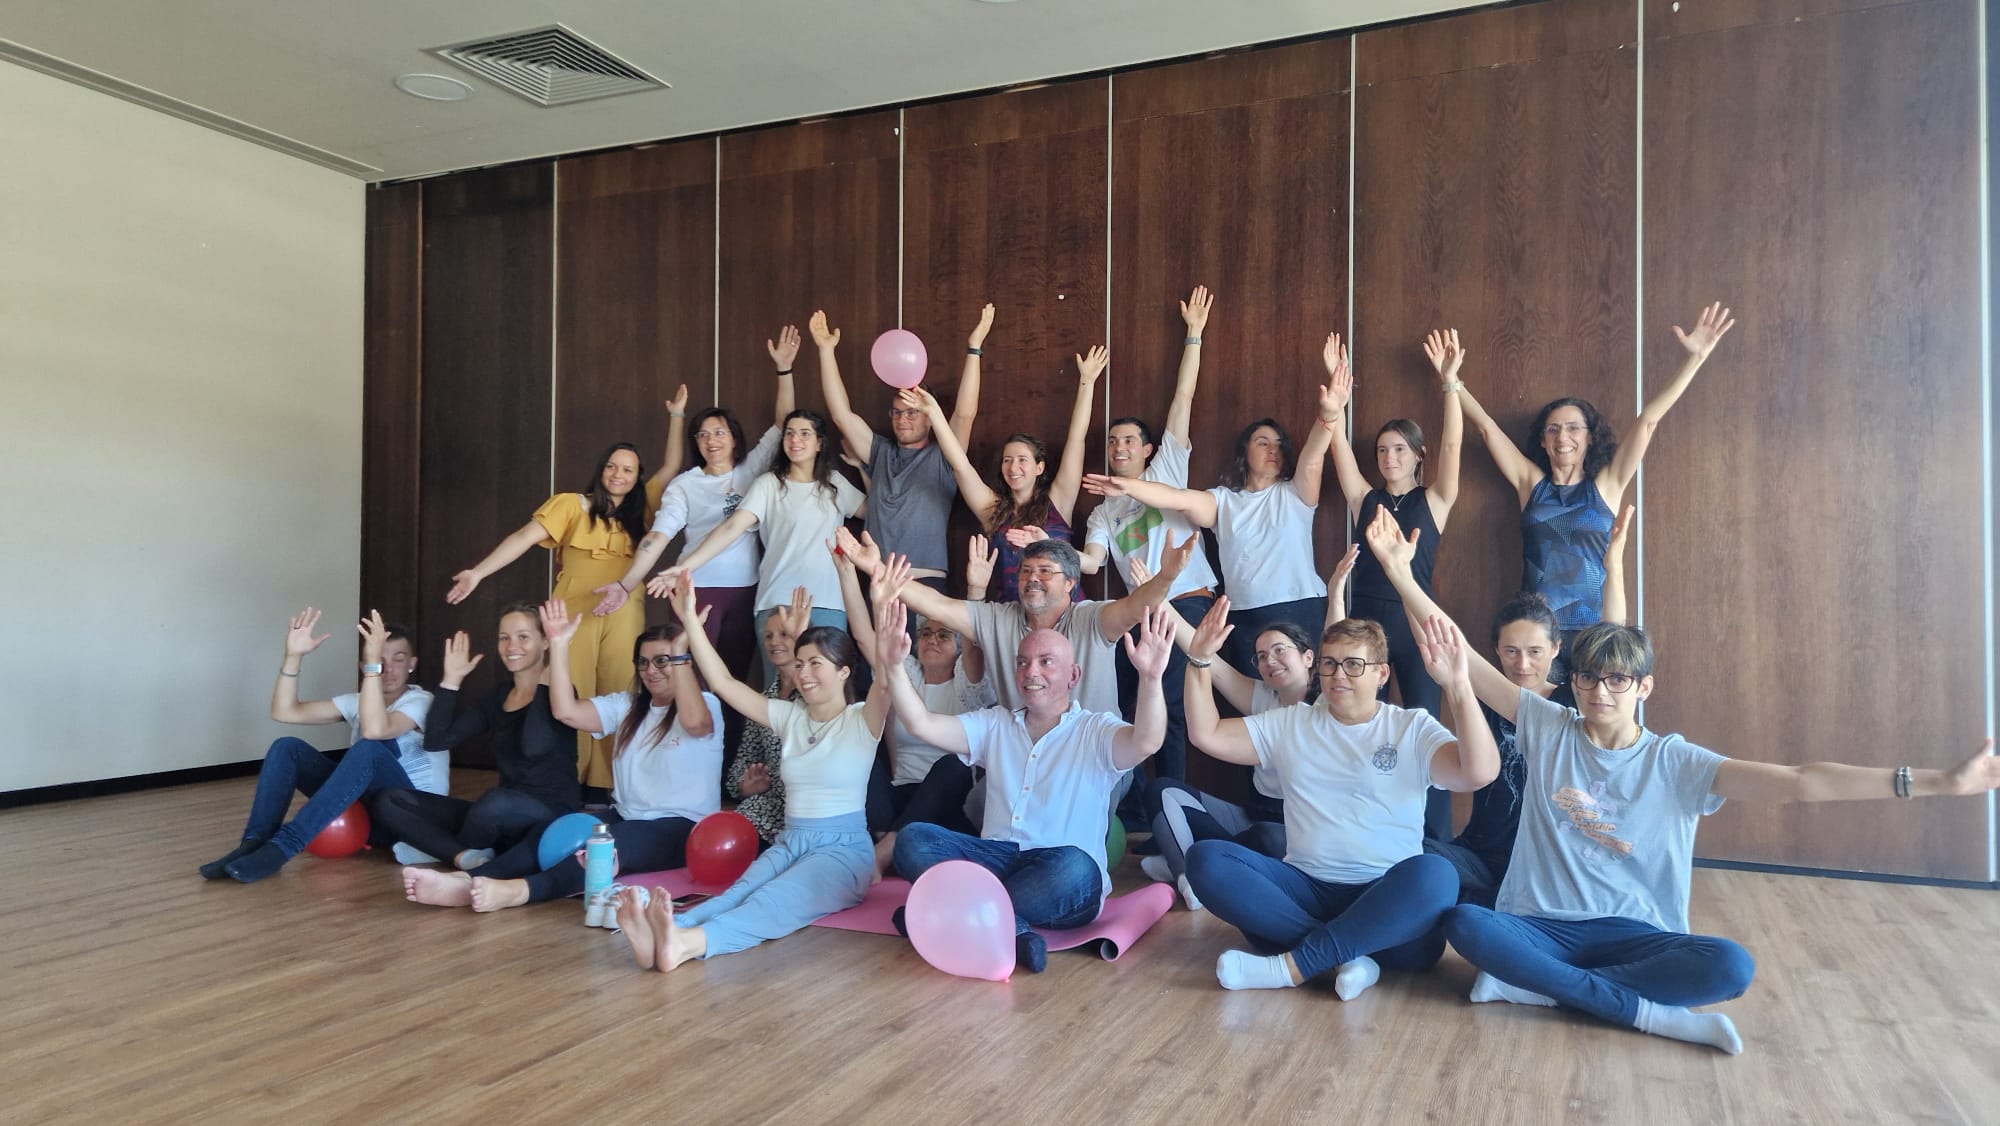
(1051, 765)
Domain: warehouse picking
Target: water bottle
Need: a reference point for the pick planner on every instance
(598, 851)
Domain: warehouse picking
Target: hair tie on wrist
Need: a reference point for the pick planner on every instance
(1192, 340)
(784, 371)
(971, 351)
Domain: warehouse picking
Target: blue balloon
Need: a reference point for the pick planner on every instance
(563, 837)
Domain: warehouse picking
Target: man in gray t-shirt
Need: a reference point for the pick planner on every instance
(910, 485)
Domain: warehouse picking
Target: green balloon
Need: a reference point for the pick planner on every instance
(1114, 843)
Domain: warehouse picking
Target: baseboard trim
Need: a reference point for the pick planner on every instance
(100, 787)
(1840, 874)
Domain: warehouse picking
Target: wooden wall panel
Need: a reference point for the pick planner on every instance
(808, 219)
(391, 407)
(1231, 172)
(1812, 555)
(487, 291)
(635, 239)
(1004, 201)
(1494, 180)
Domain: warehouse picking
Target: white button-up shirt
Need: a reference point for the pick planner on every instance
(1052, 791)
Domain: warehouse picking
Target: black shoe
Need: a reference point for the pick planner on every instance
(213, 870)
(1031, 952)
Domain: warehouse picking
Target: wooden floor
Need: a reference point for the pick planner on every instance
(134, 991)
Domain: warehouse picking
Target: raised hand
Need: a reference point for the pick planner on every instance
(681, 594)
(1212, 632)
(866, 556)
(462, 586)
(557, 625)
(1156, 642)
(1089, 367)
(756, 780)
(613, 600)
(823, 336)
(1443, 650)
(919, 399)
(1141, 574)
(1619, 529)
(1104, 485)
(1385, 539)
(785, 348)
(1708, 331)
(1977, 774)
(978, 335)
(299, 639)
(374, 635)
(1174, 559)
(980, 560)
(660, 585)
(678, 405)
(892, 577)
(1442, 350)
(459, 659)
(795, 619)
(1194, 311)
(679, 645)
(892, 635)
(1343, 568)
(1025, 535)
(1335, 393)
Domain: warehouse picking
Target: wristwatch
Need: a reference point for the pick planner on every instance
(372, 670)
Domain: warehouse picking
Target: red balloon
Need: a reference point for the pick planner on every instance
(721, 848)
(343, 836)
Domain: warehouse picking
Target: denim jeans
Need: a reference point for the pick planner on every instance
(1058, 887)
(1604, 966)
(1393, 919)
(292, 764)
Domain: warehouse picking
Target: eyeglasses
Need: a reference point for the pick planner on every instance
(1618, 682)
(936, 635)
(663, 662)
(1043, 572)
(1352, 666)
(1275, 652)
(905, 412)
(1558, 429)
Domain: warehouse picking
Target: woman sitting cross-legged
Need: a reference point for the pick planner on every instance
(823, 861)
(666, 767)
(1356, 891)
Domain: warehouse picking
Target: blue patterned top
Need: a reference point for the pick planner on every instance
(1565, 531)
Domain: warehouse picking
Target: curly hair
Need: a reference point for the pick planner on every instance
(823, 462)
(1238, 473)
(738, 451)
(1007, 513)
(1603, 440)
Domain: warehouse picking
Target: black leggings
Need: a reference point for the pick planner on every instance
(938, 800)
(445, 826)
(643, 846)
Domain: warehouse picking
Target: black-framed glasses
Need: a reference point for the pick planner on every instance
(934, 634)
(663, 662)
(1619, 683)
(1352, 666)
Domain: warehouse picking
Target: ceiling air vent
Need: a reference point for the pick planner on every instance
(549, 66)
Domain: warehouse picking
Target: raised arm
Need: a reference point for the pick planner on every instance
(1306, 475)
(1441, 348)
(851, 426)
(1218, 738)
(1708, 331)
(286, 707)
(1135, 744)
(979, 496)
(892, 641)
(947, 612)
(712, 545)
(1204, 642)
(1394, 552)
(1514, 465)
(1832, 781)
(377, 721)
(965, 410)
(448, 725)
(1346, 470)
(667, 524)
(1069, 471)
(852, 601)
(560, 629)
(1336, 584)
(1194, 314)
(1474, 760)
(513, 547)
(675, 454)
(1119, 617)
(1199, 507)
(1615, 609)
(784, 355)
(981, 560)
(748, 702)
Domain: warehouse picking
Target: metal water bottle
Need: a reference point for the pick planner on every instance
(598, 862)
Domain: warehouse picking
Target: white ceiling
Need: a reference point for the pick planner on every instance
(319, 73)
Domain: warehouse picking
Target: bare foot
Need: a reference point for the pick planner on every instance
(676, 944)
(439, 889)
(885, 855)
(637, 929)
(498, 895)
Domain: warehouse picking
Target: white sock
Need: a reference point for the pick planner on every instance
(1486, 987)
(1352, 979)
(410, 854)
(1239, 969)
(1156, 869)
(472, 858)
(1677, 1023)
(1187, 893)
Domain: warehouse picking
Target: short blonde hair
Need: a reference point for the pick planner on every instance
(1362, 631)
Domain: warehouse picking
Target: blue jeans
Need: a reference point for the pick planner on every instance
(368, 767)
(1393, 919)
(1603, 967)
(1057, 888)
(820, 617)
(817, 866)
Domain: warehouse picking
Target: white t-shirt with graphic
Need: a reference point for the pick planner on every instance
(1130, 530)
(429, 771)
(698, 502)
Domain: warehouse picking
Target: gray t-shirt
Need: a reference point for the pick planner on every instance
(909, 501)
(1605, 832)
(1000, 626)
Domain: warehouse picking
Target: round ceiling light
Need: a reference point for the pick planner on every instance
(433, 87)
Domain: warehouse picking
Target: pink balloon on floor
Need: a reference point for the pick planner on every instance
(962, 921)
(899, 358)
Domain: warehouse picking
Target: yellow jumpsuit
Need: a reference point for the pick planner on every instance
(591, 554)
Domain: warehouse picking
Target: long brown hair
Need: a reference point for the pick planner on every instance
(642, 700)
(1007, 513)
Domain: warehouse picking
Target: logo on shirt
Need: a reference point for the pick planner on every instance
(1590, 814)
(1385, 759)
(729, 504)
(1132, 537)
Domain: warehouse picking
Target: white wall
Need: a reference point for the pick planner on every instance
(180, 390)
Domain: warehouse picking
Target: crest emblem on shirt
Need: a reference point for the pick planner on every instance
(1385, 759)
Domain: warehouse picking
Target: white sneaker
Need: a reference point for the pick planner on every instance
(1156, 869)
(410, 854)
(1187, 894)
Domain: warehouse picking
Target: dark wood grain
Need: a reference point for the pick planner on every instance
(391, 406)
(1812, 546)
(487, 336)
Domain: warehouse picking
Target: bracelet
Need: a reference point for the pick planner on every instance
(282, 672)
(680, 658)
(1191, 340)
(1454, 385)
(971, 351)
(1902, 783)
(677, 414)
(623, 587)
(1332, 424)
(1200, 664)
(784, 371)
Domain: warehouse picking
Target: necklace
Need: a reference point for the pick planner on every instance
(1396, 502)
(813, 733)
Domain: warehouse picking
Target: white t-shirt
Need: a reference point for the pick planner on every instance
(999, 627)
(1263, 699)
(1130, 530)
(912, 757)
(1047, 792)
(1354, 795)
(795, 520)
(429, 771)
(1266, 544)
(678, 776)
(825, 766)
(698, 502)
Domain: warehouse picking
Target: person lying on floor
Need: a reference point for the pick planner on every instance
(1592, 914)
(666, 771)
(1050, 769)
(1355, 892)
(385, 722)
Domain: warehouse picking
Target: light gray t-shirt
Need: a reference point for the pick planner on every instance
(1000, 626)
(1605, 832)
(909, 501)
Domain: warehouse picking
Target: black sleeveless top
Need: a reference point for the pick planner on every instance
(1412, 511)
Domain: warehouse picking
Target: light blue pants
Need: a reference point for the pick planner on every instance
(817, 866)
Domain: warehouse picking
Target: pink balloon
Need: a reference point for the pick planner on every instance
(899, 358)
(962, 921)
